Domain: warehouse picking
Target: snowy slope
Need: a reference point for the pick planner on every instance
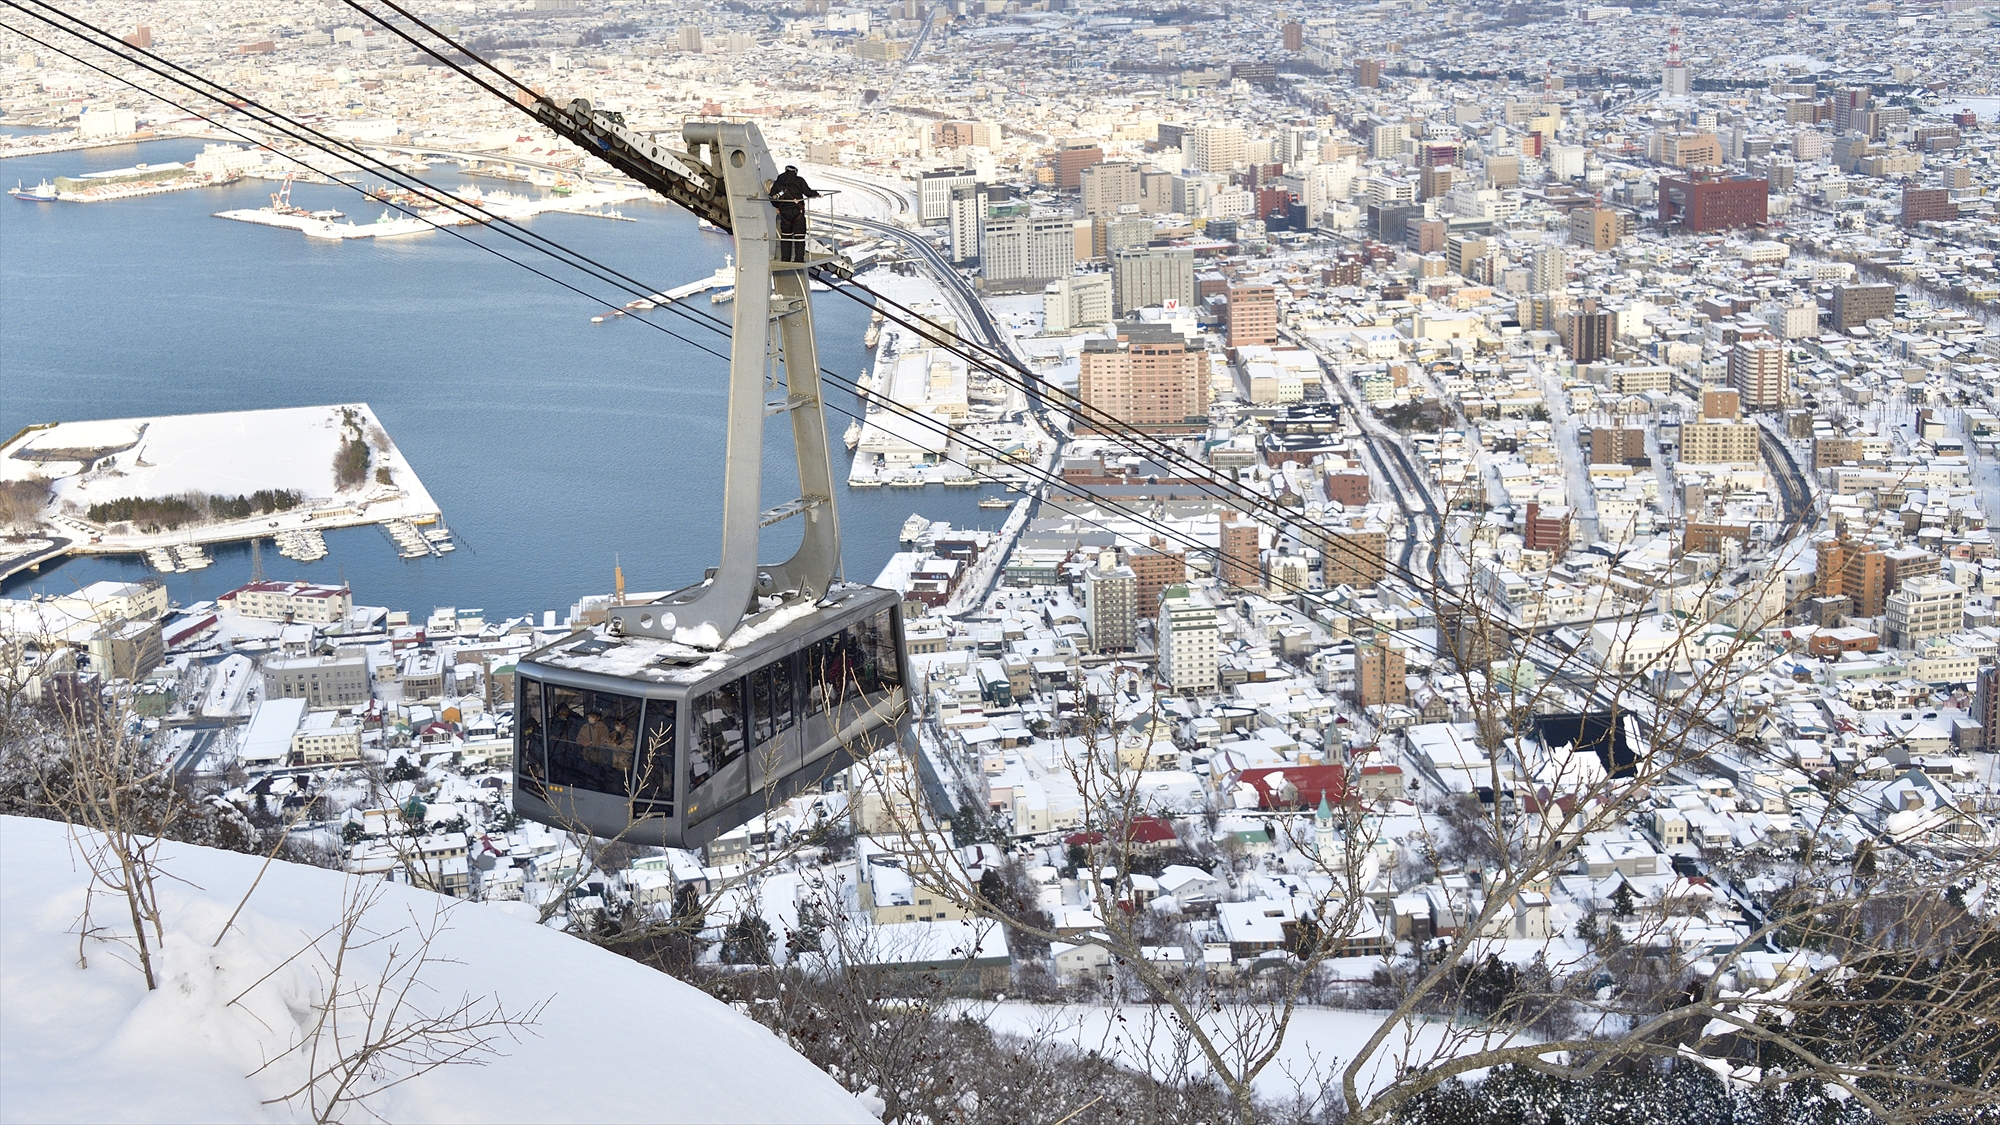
(617, 1042)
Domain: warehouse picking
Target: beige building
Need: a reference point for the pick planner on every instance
(1147, 377)
(1719, 443)
(291, 601)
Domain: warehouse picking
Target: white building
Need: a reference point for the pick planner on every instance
(1926, 608)
(1187, 640)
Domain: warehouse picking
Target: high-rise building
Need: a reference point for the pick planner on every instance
(1355, 554)
(1215, 148)
(1856, 305)
(1434, 182)
(1387, 139)
(1156, 568)
(1866, 573)
(934, 192)
(1148, 377)
(1141, 278)
(1252, 312)
(1027, 248)
(1846, 104)
(1293, 34)
(1241, 559)
(1109, 186)
(966, 218)
(1986, 707)
(1379, 675)
(1757, 371)
(1186, 637)
(1368, 73)
(1110, 604)
(1588, 333)
(1705, 205)
(690, 39)
(1549, 270)
(1072, 159)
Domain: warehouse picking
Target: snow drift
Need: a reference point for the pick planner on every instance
(615, 1041)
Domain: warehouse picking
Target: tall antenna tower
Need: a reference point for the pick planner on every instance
(256, 559)
(1674, 75)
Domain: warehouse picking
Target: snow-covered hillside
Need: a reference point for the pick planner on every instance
(616, 1041)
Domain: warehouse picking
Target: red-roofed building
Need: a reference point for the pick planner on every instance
(1142, 834)
(1294, 788)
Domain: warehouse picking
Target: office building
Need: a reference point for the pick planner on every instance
(1704, 205)
(1598, 228)
(934, 192)
(1072, 159)
(1076, 302)
(1107, 187)
(324, 682)
(1023, 248)
(1141, 278)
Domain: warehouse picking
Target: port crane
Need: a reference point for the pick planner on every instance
(680, 718)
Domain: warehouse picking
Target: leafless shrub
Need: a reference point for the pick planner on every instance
(370, 1029)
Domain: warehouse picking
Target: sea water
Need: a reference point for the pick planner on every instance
(553, 445)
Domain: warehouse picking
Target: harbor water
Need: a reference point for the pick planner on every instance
(553, 445)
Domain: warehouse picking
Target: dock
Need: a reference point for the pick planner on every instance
(117, 467)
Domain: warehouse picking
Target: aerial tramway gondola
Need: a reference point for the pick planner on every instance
(676, 720)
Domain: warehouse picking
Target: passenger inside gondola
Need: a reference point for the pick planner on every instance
(585, 748)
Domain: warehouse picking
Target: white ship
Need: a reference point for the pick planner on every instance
(852, 437)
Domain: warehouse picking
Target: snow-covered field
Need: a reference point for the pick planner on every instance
(616, 1041)
(230, 454)
(1318, 1045)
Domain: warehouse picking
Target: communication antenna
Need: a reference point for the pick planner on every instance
(256, 559)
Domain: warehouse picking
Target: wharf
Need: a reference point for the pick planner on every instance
(124, 465)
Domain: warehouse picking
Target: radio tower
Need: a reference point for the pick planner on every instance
(1674, 75)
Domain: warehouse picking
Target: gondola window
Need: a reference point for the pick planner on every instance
(591, 738)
